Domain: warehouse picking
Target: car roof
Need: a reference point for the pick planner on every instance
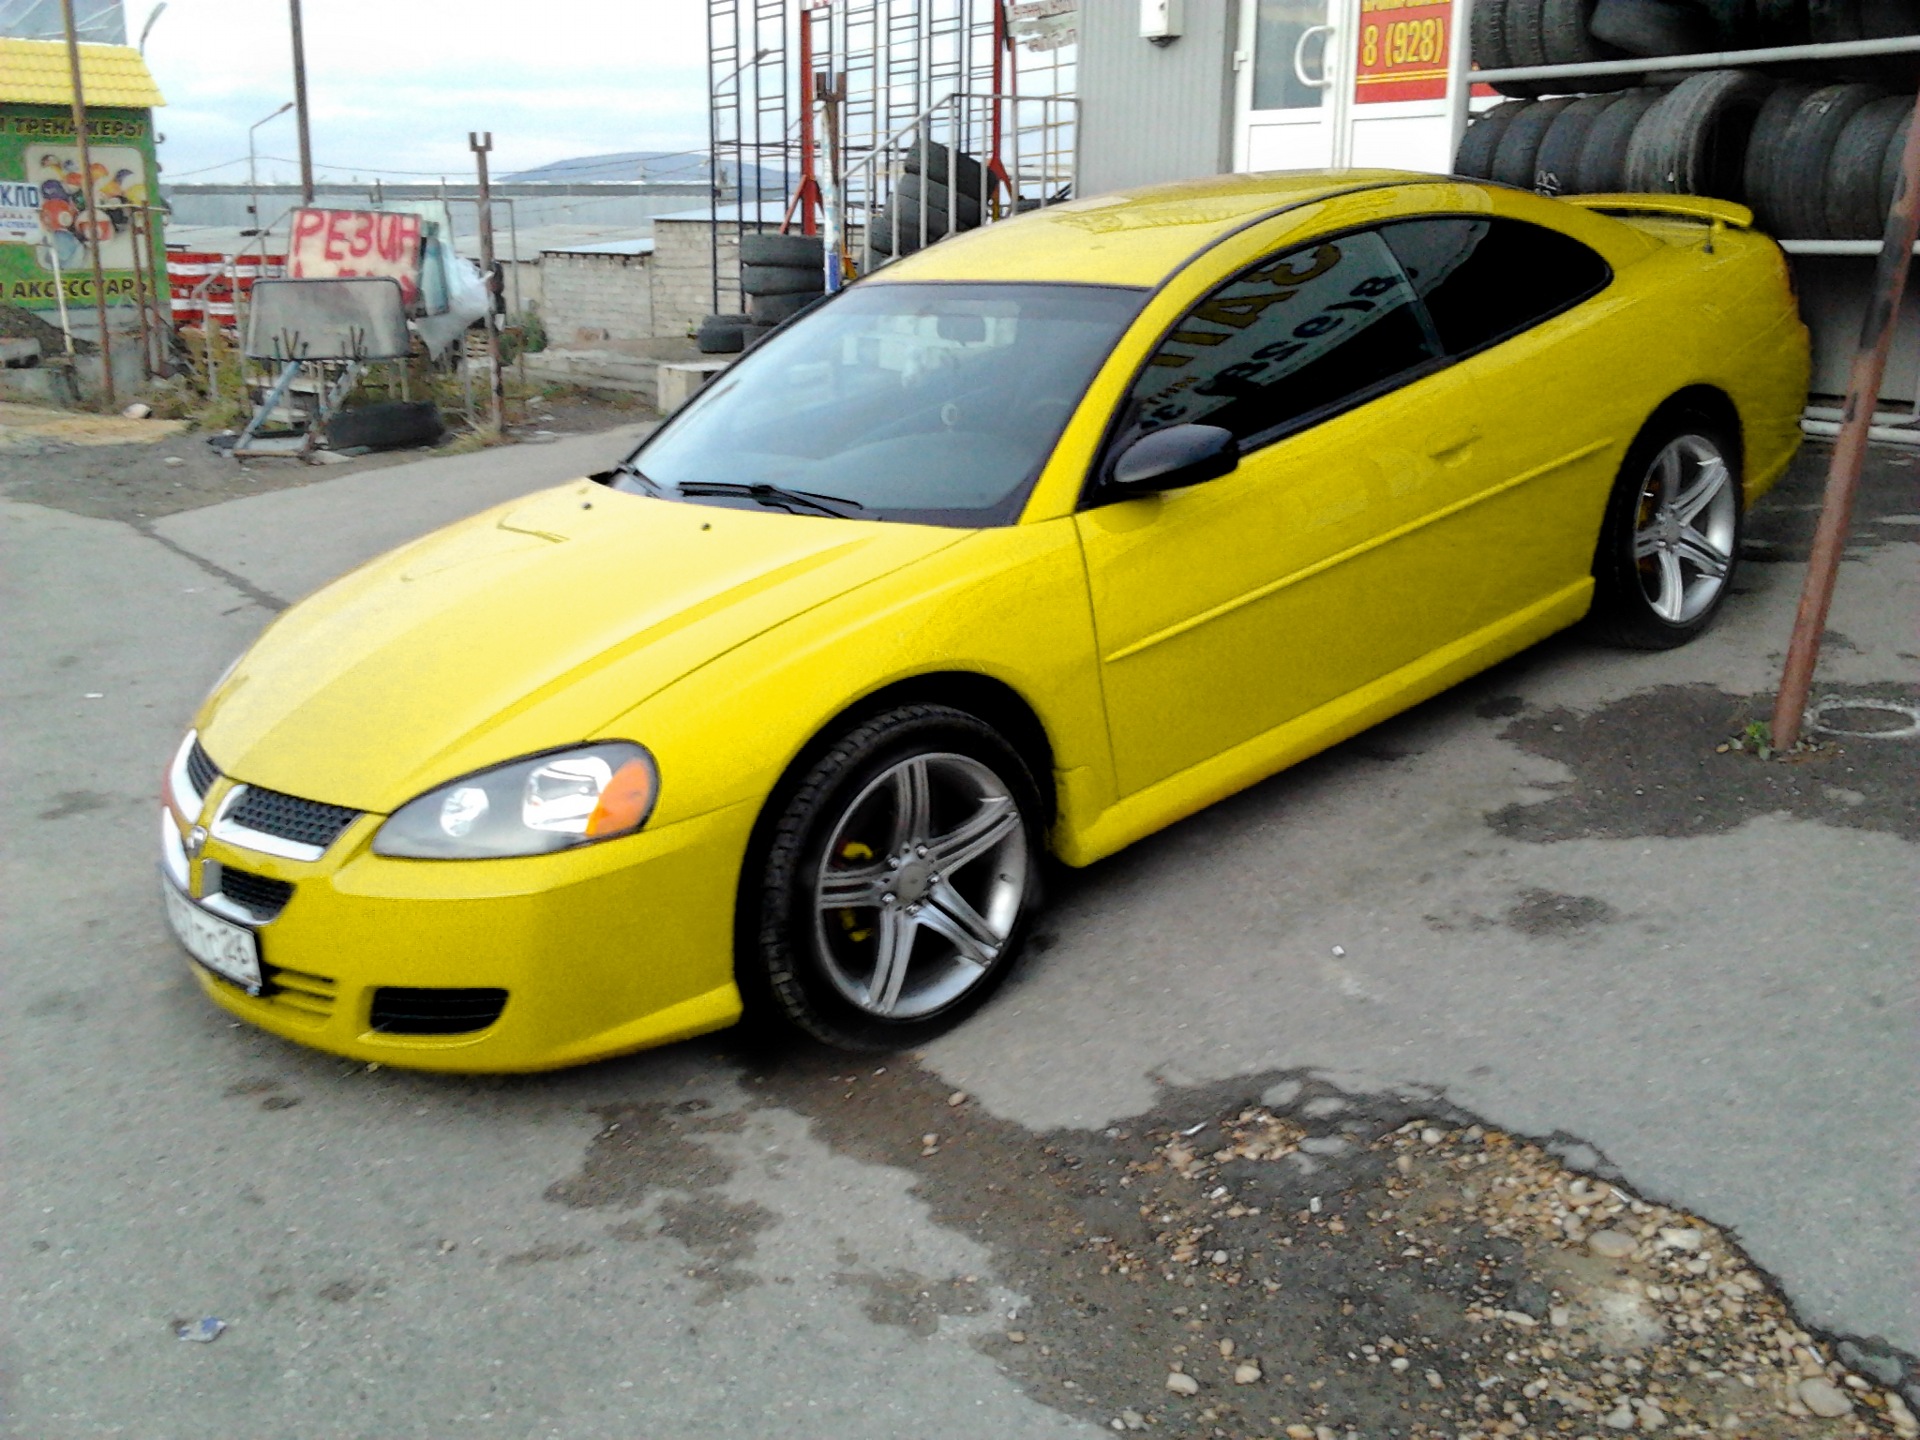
(1138, 236)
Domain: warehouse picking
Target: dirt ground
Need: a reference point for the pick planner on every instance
(110, 468)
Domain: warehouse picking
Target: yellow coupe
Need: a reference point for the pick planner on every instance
(1030, 544)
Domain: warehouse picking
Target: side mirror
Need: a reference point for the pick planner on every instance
(1177, 456)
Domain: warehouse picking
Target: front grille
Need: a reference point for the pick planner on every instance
(401, 1011)
(309, 822)
(201, 770)
(264, 897)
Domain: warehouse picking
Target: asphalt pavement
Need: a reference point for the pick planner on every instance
(1545, 901)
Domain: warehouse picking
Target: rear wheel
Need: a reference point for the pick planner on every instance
(899, 882)
(1671, 538)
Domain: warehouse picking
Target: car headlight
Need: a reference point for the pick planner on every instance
(528, 807)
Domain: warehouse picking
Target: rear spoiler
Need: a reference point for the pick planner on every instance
(1684, 207)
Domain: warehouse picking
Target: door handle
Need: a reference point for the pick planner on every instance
(1325, 82)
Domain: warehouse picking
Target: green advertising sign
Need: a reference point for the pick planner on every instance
(46, 229)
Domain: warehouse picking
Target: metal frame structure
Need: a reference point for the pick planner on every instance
(904, 72)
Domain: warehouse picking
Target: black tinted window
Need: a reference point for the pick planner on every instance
(1484, 279)
(1298, 334)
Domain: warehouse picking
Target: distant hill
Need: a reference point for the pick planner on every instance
(651, 167)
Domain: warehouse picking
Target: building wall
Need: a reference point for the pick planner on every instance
(1150, 113)
(588, 299)
(683, 275)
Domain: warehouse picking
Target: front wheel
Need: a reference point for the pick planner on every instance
(899, 881)
(1671, 538)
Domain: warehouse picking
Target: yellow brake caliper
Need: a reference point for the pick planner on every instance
(854, 850)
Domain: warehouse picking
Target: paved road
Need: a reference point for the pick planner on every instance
(1515, 899)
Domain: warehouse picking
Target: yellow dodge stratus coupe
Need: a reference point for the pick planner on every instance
(1032, 543)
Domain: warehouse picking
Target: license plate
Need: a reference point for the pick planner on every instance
(231, 951)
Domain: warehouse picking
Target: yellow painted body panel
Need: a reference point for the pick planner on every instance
(1173, 648)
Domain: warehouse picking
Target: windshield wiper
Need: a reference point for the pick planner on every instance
(776, 495)
(647, 483)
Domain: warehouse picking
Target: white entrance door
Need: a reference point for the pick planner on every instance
(1293, 89)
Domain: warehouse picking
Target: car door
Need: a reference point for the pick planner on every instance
(1229, 608)
(1510, 525)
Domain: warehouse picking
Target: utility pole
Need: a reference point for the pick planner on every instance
(300, 104)
(497, 380)
(86, 184)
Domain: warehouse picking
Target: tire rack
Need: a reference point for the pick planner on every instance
(899, 60)
(1821, 420)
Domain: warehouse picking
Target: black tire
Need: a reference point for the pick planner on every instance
(1890, 166)
(1526, 33)
(907, 192)
(1477, 146)
(752, 335)
(720, 334)
(882, 235)
(795, 964)
(1780, 22)
(1833, 21)
(1557, 160)
(941, 164)
(1694, 142)
(386, 425)
(800, 252)
(1602, 166)
(1564, 30)
(1652, 27)
(1625, 606)
(781, 279)
(1806, 156)
(1513, 160)
(1763, 180)
(1858, 196)
(1733, 22)
(778, 309)
(1487, 30)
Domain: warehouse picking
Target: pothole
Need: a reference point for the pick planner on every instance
(1274, 1257)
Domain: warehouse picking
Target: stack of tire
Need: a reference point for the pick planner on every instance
(1814, 162)
(939, 192)
(1515, 33)
(780, 276)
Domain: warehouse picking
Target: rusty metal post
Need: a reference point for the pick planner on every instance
(300, 104)
(86, 184)
(1850, 448)
(497, 382)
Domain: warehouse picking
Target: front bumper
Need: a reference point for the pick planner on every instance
(600, 950)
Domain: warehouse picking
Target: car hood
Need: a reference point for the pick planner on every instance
(526, 627)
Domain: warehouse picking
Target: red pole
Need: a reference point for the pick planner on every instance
(1850, 448)
(807, 196)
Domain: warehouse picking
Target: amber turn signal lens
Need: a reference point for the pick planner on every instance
(625, 802)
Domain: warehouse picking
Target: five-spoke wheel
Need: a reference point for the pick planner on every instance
(899, 880)
(1672, 534)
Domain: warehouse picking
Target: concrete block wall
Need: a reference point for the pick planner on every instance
(590, 299)
(683, 274)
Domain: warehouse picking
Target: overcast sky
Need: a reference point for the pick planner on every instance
(395, 85)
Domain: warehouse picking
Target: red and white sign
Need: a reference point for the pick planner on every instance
(348, 244)
(1403, 50)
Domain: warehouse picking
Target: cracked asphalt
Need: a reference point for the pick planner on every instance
(1544, 905)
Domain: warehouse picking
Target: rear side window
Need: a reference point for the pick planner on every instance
(1485, 279)
(1294, 338)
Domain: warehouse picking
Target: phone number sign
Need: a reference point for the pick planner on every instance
(1403, 50)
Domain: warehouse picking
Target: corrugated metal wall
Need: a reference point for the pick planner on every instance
(1150, 113)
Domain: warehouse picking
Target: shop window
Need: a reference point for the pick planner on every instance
(1484, 279)
(1294, 339)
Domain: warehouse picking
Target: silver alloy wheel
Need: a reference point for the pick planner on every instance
(920, 886)
(1684, 527)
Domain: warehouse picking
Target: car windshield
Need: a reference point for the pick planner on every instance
(934, 403)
